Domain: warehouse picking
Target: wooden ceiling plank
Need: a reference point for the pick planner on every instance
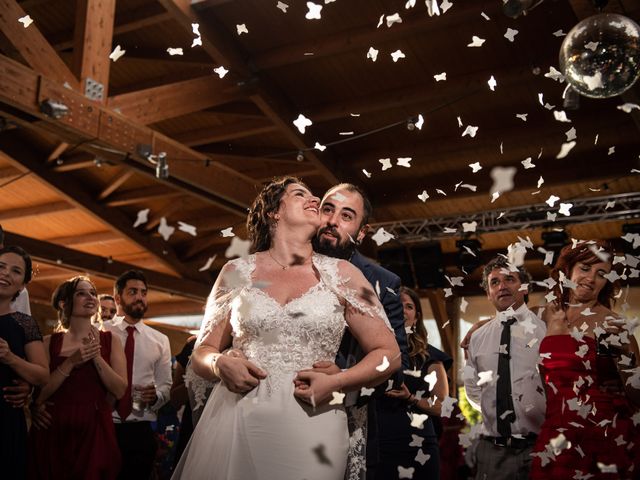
(56, 152)
(267, 98)
(32, 45)
(164, 212)
(225, 133)
(155, 104)
(115, 183)
(93, 36)
(80, 162)
(104, 267)
(9, 173)
(14, 150)
(22, 89)
(87, 238)
(22, 213)
(140, 195)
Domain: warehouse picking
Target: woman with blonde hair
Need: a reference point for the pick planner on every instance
(403, 445)
(73, 436)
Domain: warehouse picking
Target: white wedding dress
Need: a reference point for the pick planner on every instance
(267, 434)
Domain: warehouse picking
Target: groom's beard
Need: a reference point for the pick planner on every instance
(339, 250)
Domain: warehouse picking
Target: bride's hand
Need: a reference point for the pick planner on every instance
(315, 388)
(238, 374)
(555, 318)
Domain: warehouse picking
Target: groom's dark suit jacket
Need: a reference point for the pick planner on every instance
(350, 352)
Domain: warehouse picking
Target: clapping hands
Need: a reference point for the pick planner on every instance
(89, 350)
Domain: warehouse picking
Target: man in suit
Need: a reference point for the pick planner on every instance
(345, 211)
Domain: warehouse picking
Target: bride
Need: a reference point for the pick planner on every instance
(284, 308)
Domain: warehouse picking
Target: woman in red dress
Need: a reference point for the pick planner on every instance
(73, 436)
(588, 362)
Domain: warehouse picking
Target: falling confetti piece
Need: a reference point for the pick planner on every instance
(238, 248)
(208, 264)
(175, 51)
(611, 151)
(386, 163)
(197, 42)
(565, 149)
(382, 236)
(495, 196)
(320, 147)
(418, 419)
(25, 21)
(441, 77)
(165, 230)
(423, 196)
(559, 33)
(502, 179)
(527, 163)
(366, 173)
(227, 232)
(484, 377)
(372, 54)
(338, 398)
(302, 123)
(522, 116)
(485, 16)
(475, 167)
(432, 7)
(469, 226)
(420, 122)
(431, 379)
(404, 162)
(282, 6)
(470, 130)
(492, 83)
(476, 41)
(564, 209)
(561, 116)
(628, 107)
(142, 217)
(552, 200)
(241, 28)
(117, 53)
(395, 18)
(185, 227)
(314, 11)
(221, 71)
(405, 472)
(422, 457)
(555, 75)
(540, 182)
(571, 134)
(511, 34)
(384, 365)
(397, 55)
(364, 391)
(445, 5)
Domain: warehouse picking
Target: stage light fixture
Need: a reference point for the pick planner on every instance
(54, 109)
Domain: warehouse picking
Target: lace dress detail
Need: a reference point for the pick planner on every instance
(281, 339)
(29, 325)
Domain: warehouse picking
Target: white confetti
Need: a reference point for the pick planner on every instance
(422, 457)
(611, 151)
(559, 33)
(386, 163)
(469, 226)
(142, 217)
(420, 122)
(564, 209)
(221, 71)
(238, 248)
(485, 16)
(302, 123)
(445, 5)
(423, 196)
(314, 11)
(395, 18)
(475, 167)
(432, 7)
(628, 107)
(561, 116)
(554, 74)
(492, 83)
(571, 134)
(565, 149)
(404, 162)
(227, 232)
(495, 196)
(366, 173)
(338, 398)
(185, 227)
(366, 392)
(208, 264)
(405, 472)
(511, 34)
(372, 54)
(476, 41)
(441, 77)
(25, 21)
(117, 53)
(282, 6)
(384, 365)
(470, 130)
(591, 46)
(527, 163)
(416, 440)
(485, 377)
(418, 419)
(502, 179)
(320, 147)
(382, 236)
(165, 230)
(522, 116)
(175, 51)
(397, 55)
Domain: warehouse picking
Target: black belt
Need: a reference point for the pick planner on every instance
(514, 442)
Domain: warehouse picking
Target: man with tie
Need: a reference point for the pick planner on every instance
(148, 373)
(501, 378)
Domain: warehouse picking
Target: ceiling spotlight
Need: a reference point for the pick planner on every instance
(54, 109)
(300, 156)
(411, 124)
(162, 167)
(98, 162)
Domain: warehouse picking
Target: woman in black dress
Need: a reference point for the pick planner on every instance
(403, 446)
(22, 356)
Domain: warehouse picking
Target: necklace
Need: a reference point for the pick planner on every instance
(296, 258)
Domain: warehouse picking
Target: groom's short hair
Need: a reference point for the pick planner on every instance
(350, 187)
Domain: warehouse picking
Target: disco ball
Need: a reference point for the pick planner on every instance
(600, 56)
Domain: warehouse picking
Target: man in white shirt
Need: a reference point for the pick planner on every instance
(149, 375)
(501, 377)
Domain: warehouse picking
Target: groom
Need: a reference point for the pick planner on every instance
(344, 214)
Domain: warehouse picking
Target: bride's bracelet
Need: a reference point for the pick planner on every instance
(213, 362)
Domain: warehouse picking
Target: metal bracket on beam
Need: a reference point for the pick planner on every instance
(93, 90)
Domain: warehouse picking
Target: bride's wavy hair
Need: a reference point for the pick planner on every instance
(584, 252)
(418, 339)
(261, 218)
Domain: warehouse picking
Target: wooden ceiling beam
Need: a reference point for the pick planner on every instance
(57, 151)
(140, 195)
(115, 183)
(35, 211)
(99, 126)
(415, 22)
(268, 98)
(32, 45)
(88, 238)
(14, 149)
(155, 104)
(163, 212)
(78, 161)
(9, 173)
(226, 132)
(81, 262)
(125, 22)
(93, 37)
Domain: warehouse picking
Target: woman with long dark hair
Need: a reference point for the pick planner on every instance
(401, 443)
(73, 436)
(22, 356)
(589, 365)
